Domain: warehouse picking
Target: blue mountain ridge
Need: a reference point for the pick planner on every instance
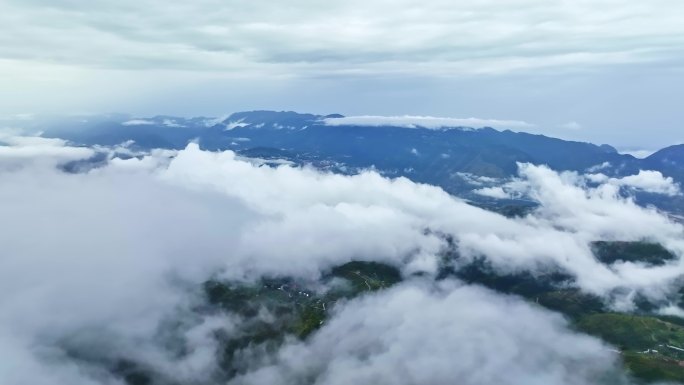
(436, 156)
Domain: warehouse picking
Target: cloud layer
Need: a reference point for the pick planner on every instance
(441, 37)
(95, 263)
(425, 122)
(612, 65)
(452, 333)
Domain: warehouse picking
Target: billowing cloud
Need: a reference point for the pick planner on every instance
(18, 151)
(98, 252)
(649, 181)
(455, 333)
(645, 181)
(387, 219)
(95, 263)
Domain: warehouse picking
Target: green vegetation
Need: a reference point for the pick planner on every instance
(551, 290)
(367, 276)
(131, 373)
(275, 308)
(632, 332)
(272, 309)
(648, 343)
(524, 284)
(571, 302)
(645, 252)
(310, 320)
(510, 210)
(652, 349)
(652, 367)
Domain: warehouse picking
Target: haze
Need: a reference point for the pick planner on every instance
(606, 71)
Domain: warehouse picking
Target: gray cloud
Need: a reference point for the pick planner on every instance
(604, 63)
(365, 36)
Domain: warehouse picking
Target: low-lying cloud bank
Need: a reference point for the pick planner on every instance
(414, 335)
(95, 263)
(594, 184)
(409, 121)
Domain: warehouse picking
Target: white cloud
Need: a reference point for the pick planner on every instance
(645, 180)
(463, 333)
(98, 252)
(237, 124)
(512, 189)
(171, 123)
(641, 154)
(599, 167)
(20, 151)
(137, 122)
(431, 122)
(477, 180)
(17, 117)
(386, 219)
(493, 192)
(675, 311)
(572, 126)
(651, 181)
(100, 259)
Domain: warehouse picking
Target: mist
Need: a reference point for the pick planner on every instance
(99, 263)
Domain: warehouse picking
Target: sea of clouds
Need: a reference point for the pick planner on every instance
(94, 264)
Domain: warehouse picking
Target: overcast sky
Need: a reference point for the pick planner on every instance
(598, 70)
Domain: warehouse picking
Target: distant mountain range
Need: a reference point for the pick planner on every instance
(446, 156)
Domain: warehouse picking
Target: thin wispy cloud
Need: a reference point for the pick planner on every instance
(432, 122)
(572, 126)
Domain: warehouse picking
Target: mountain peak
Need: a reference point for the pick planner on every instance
(607, 148)
(668, 155)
